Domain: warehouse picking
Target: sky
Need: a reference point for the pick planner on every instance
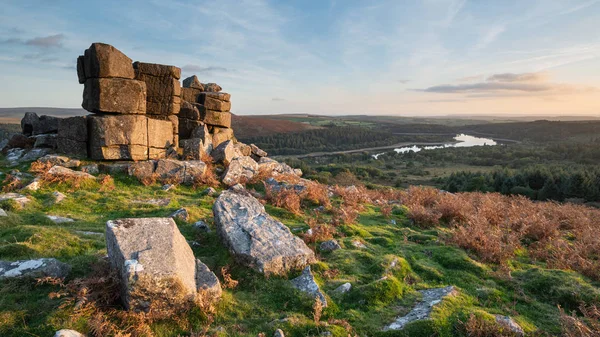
(398, 57)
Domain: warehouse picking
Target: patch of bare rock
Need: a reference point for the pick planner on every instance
(156, 266)
(255, 238)
(422, 311)
(34, 268)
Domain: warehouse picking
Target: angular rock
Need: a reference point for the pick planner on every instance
(160, 89)
(91, 169)
(193, 111)
(207, 283)
(423, 309)
(217, 118)
(193, 148)
(187, 126)
(274, 167)
(160, 138)
(170, 170)
(243, 149)
(194, 171)
(224, 153)
(45, 141)
(212, 87)
(47, 124)
(215, 104)
(59, 219)
(29, 123)
(105, 61)
(306, 283)
(142, 170)
(220, 135)
(118, 137)
(60, 161)
(278, 333)
(190, 94)
(181, 214)
(81, 69)
(221, 96)
(344, 288)
(209, 191)
(240, 170)
(329, 246)
(68, 333)
(34, 154)
(72, 147)
(19, 199)
(168, 187)
(13, 155)
(58, 197)
(163, 108)
(3, 213)
(255, 238)
(19, 141)
(510, 324)
(65, 173)
(193, 82)
(114, 95)
(34, 185)
(201, 226)
(33, 268)
(153, 261)
(257, 151)
(115, 167)
(74, 128)
(157, 69)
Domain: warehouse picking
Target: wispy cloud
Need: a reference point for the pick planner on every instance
(44, 42)
(191, 68)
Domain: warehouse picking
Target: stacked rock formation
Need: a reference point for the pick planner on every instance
(205, 117)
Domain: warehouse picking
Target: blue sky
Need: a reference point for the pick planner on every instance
(400, 57)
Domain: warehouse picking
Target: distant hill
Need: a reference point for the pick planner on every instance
(252, 126)
(14, 115)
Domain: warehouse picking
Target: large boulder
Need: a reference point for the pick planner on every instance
(163, 89)
(160, 138)
(256, 239)
(221, 135)
(218, 118)
(33, 268)
(240, 170)
(224, 153)
(194, 148)
(114, 95)
(72, 136)
(103, 61)
(121, 137)
(216, 104)
(212, 87)
(193, 82)
(170, 170)
(155, 265)
(32, 124)
(193, 111)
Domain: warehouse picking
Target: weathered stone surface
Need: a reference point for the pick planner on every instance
(201, 226)
(210, 191)
(19, 141)
(68, 333)
(80, 69)
(342, 289)
(255, 238)
(154, 202)
(172, 170)
(192, 111)
(160, 89)
(510, 324)
(58, 197)
(19, 199)
(207, 283)
(45, 141)
(106, 61)
(60, 161)
(33, 185)
(163, 108)
(71, 147)
(142, 169)
(72, 136)
(33, 268)
(212, 87)
(151, 256)
(306, 283)
(32, 124)
(257, 151)
(243, 149)
(193, 148)
(160, 138)
(193, 82)
(222, 96)
(329, 245)
(215, 104)
(59, 219)
(157, 69)
(224, 153)
(194, 170)
(115, 167)
(240, 170)
(180, 214)
(91, 169)
(29, 122)
(220, 135)
(423, 309)
(114, 95)
(218, 118)
(34, 154)
(65, 173)
(190, 94)
(118, 137)
(187, 126)
(3, 213)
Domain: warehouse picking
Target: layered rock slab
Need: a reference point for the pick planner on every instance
(255, 238)
(118, 137)
(155, 264)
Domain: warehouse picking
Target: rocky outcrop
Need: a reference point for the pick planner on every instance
(255, 238)
(114, 95)
(306, 283)
(155, 265)
(240, 170)
(34, 268)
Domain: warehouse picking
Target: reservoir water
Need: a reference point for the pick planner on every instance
(462, 141)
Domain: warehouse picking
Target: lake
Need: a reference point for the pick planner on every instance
(462, 141)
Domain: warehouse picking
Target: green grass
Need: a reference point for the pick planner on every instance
(398, 261)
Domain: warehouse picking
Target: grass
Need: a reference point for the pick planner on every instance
(397, 261)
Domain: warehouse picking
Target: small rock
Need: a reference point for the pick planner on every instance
(307, 284)
(393, 222)
(168, 187)
(20, 199)
(91, 169)
(344, 288)
(210, 192)
(422, 310)
(58, 197)
(201, 226)
(154, 202)
(60, 161)
(257, 151)
(510, 323)
(3, 212)
(89, 233)
(34, 154)
(33, 186)
(68, 333)
(326, 334)
(329, 245)
(278, 333)
(194, 243)
(358, 244)
(14, 154)
(65, 173)
(59, 219)
(181, 214)
(34, 268)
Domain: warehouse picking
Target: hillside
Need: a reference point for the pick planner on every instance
(250, 126)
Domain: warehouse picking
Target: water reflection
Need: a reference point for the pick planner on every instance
(462, 141)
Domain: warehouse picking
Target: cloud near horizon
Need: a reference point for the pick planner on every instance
(44, 42)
